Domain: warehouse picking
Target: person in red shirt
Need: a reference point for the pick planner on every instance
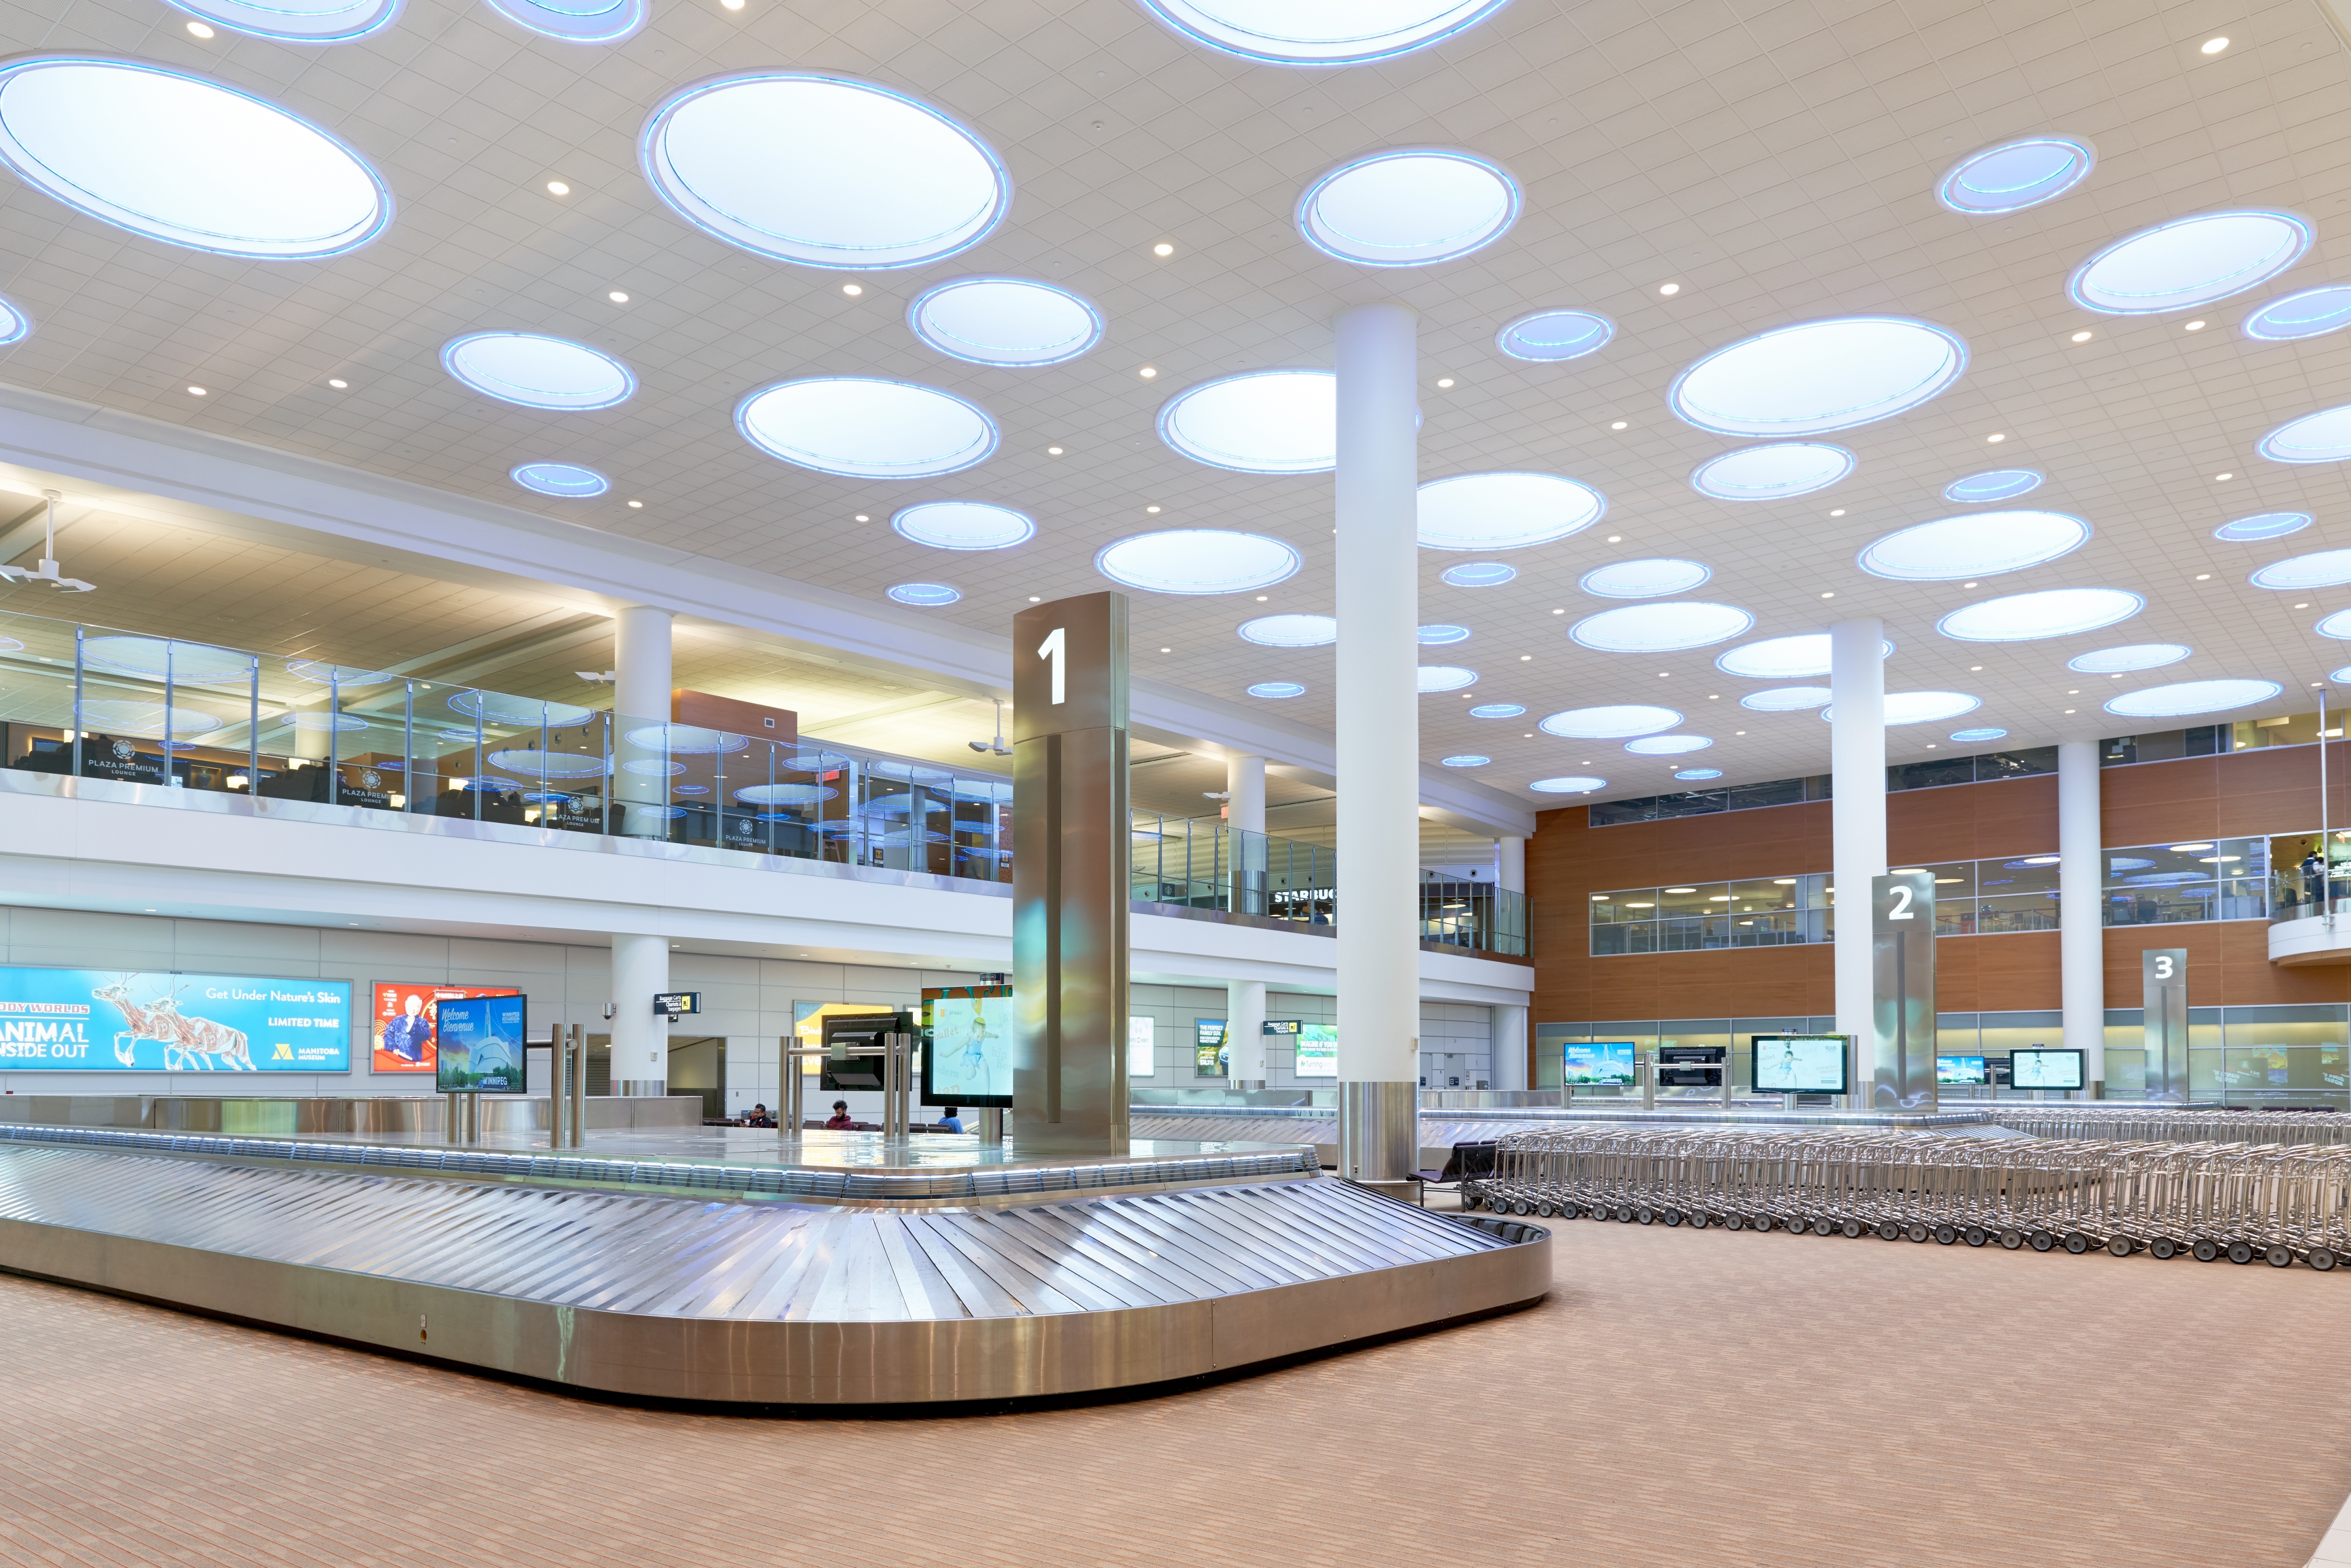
(841, 1121)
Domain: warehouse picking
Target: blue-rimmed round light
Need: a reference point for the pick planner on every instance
(1575, 785)
(1197, 560)
(864, 428)
(1921, 707)
(927, 594)
(538, 371)
(1985, 732)
(566, 479)
(1694, 773)
(2016, 174)
(1260, 421)
(822, 170)
(1785, 658)
(2133, 656)
(1498, 710)
(1617, 722)
(1645, 578)
(1005, 321)
(1661, 628)
(1977, 544)
(1771, 473)
(1996, 484)
(2320, 569)
(1444, 677)
(2262, 526)
(2190, 697)
(1818, 376)
(575, 21)
(2337, 625)
(2189, 262)
(1667, 745)
(963, 524)
(1320, 32)
(1412, 206)
(1438, 633)
(184, 159)
(298, 21)
(1465, 760)
(1291, 631)
(2312, 313)
(1505, 512)
(1277, 689)
(2320, 438)
(1786, 700)
(2052, 613)
(15, 325)
(1547, 336)
(1479, 574)
(2341, 676)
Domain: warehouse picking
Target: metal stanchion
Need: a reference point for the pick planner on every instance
(575, 1122)
(559, 1089)
(795, 1087)
(991, 1127)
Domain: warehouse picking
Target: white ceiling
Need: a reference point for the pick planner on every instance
(1777, 162)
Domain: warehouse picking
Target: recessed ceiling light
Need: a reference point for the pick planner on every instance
(2189, 262)
(2203, 577)
(1166, 649)
(1661, 628)
(1669, 289)
(2320, 438)
(1667, 745)
(1036, 598)
(1259, 421)
(616, 297)
(2262, 526)
(1771, 473)
(2134, 656)
(929, 595)
(1645, 578)
(1466, 760)
(2321, 568)
(1504, 511)
(1408, 207)
(1197, 560)
(199, 30)
(1162, 249)
(863, 519)
(2312, 313)
(1526, 658)
(1005, 321)
(2213, 46)
(1559, 613)
(1921, 708)
(2222, 479)
(1479, 574)
(2073, 693)
(1700, 773)
(1052, 452)
(197, 391)
(1620, 721)
(339, 385)
(1443, 677)
(2081, 336)
(604, 22)
(2189, 697)
(732, 4)
(852, 289)
(867, 428)
(1575, 786)
(1818, 376)
(1618, 425)
(557, 188)
(1978, 543)
(1839, 512)
(963, 524)
(2052, 613)
(1985, 733)
(1974, 668)
(1287, 34)
(2015, 175)
(636, 506)
(2302, 606)
(1498, 710)
(1277, 689)
(1785, 658)
(1996, 437)
(538, 371)
(1830, 594)
(1549, 337)
(565, 479)
(1996, 484)
(1786, 700)
(1438, 633)
(1148, 373)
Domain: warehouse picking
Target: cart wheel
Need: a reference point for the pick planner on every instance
(2120, 1246)
(1672, 1217)
(2241, 1251)
(2163, 1247)
(1824, 1227)
(1798, 1226)
(1624, 1214)
(2279, 1257)
(2012, 1239)
(1851, 1228)
(1699, 1220)
(2041, 1240)
(2320, 1259)
(1733, 1222)
(2205, 1250)
(1568, 1210)
(1522, 1208)
(1888, 1231)
(1542, 1210)
(1946, 1234)
(1917, 1231)
(1975, 1236)
(2076, 1243)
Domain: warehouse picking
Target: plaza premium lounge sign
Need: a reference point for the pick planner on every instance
(118, 1020)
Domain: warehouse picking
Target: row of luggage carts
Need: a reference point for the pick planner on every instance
(2205, 1200)
(2185, 1125)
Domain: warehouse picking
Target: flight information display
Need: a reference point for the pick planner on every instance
(1799, 1063)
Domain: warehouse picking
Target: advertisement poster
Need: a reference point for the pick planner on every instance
(969, 1048)
(400, 1033)
(479, 1045)
(1318, 1050)
(1142, 1047)
(1209, 1048)
(1800, 1065)
(114, 1020)
(1600, 1064)
(2039, 1068)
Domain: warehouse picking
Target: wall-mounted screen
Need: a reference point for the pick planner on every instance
(116, 1021)
(1798, 1064)
(1961, 1070)
(2042, 1069)
(1142, 1047)
(967, 1046)
(1598, 1064)
(1318, 1050)
(478, 1045)
(1209, 1055)
(399, 1026)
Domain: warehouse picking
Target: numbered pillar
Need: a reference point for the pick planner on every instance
(1898, 1054)
(2163, 977)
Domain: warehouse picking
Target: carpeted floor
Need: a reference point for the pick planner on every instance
(1683, 1399)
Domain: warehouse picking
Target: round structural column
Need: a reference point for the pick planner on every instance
(1857, 807)
(1244, 1032)
(2081, 930)
(640, 1036)
(1511, 864)
(1507, 1046)
(1378, 737)
(641, 688)
(1245, 816)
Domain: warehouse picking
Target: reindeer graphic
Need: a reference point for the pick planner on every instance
(188, 1043)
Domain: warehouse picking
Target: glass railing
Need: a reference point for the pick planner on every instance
(1200, 862)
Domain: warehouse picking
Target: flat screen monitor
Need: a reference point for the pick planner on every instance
(860, 1035)
(1599, 1064)
(400, 1033)
(1209, 1053)
(1318, 1050)
(1798, 1064)
(479, 1048)
(1142, 1046)
(1961, 1070)
(2042, 1069)
(967, 1047)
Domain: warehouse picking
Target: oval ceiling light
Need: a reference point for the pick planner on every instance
(822, 170)
(1980, 544)
(16, 326)
(2262, 526)
(2189, 697)
(1479, 574)
(1817, 376)
(2136, 656)
(1320, 32)
(1786, 700)
(575, 21)
(927, 594)
(1277, 689)
(2320, 569)
(1412, 206)
(1771, 473)
(864, 428)
(1443, 678)
(2052, 613)
(1921, 707)
(1466, 760)
(1785, 658)
(1291, 631)
(185, 159)
(2320, 438)
(2016, 174)
(538, 371)
(566, 479)
(1661, 628)
(1197, 560)
(2312, 313)
(1547, 336)
(2189, 262)
(298, 21)
(1005, 321)
(1505, 512)
(1439, 634)
(1985, 732)
(1667, 745)
(1613, 723)
(1700, 773)
(1260, 421)
(963, 525)
(2337, 625)
(1645, 578)
(1498, 710)
(1998, 485)
(1567, 785)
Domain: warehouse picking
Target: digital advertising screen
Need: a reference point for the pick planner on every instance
(2042, 1069)
(1142, 1047)
(399, 1026)
(1799, 1063)
(1208, 1056)
(1318, 1050)
(1600, 1064)
(478, 1045)
(967, 1046)
(116, 1021)
(1961, 1070)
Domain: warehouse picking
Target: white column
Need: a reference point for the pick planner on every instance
(2081, 929)
(1508, 1046)
(1244, 1032)
(1511, 864)
(1378, 739)
(641, 688)
(640, 1036)
(1245, 814)
(1857, 819)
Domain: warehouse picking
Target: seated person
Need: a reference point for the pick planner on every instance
(758, 1117)
(951, 1122)
(840, 1121)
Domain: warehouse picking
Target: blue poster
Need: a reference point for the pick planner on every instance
(118, 1020)
(481, 1049)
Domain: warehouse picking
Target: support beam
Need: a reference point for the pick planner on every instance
(1245, 1033)
(2081, 933)
(640, 1036)
(640, 686)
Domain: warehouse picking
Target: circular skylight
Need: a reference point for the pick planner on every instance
(2189, 262)
(2136, 656)
(1645, 578)
(185, 159)
(1786, 700)
(2320, 569)
(1615, 723)
(1998, 485)
(1921, 708)
(1771, 473)
(1574, 786)
(1818, 376)
(2335, 625)
(1988, 732)
(1466, 760)
(15, 325)
(1505, 512)
(298, 21)
(1277, 689)
(2309, 314)
(1980, 544)
(2015, 175)
(1785, 658)
(156, 657)
(862, 428)
(1548, 336)
(1479, 574)
(1005, 321)
(822, 170)
(1439, 634)
(1667, 745)
(928, 594)
(963, 525)
(1291, 631)
(1263, 422)
(575, 21)
(2189, 697)
(1661, 628)
(2262, 526)
(2320, 438)
(1445, 677)
(1197, 560)
(2341, 675)
(2052, 613)
(1498, 710)
(536, 371)
(1409, 207)
(1320, 32)
(1698, 773)
(566, 479)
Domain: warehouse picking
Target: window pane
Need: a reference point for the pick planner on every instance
(1773, 930)
(2024, 873)
(1931, 775)
(2027, 911)
(1684, 935)
(1629, 904)
(1955, 918)
(2016, 764)
(1763, 896)
(1689, 898)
